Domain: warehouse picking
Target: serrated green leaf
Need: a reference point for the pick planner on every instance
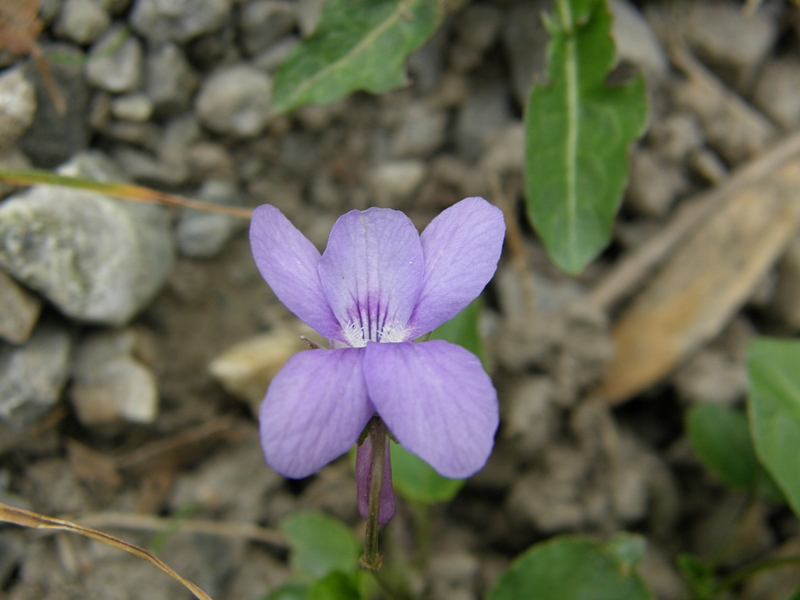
(569, 568)
(578, 131)
(358, 45)
(721, 439)
(464, 330)
(320, 544)
(774, 404)
(415, 480)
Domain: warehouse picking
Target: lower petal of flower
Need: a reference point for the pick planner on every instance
(314, 410)
(437, 400)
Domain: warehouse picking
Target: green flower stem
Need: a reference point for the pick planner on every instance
(748, 571)
(372, 559)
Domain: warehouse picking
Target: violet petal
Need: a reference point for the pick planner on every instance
(290, 265)
(364, 480)
(462, 246)
(437, 400)
(372, 272)
(314, 411)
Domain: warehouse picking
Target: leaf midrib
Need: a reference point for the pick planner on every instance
(354, 51)
(571, 154)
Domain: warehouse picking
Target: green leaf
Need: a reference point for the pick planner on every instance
(336, 586)
(721, 438)
(358, 45)
(699, 576)
(416, 481)
(293, 590)
(464, 330)
(774, 406)
(570, 568)
(578, 131)
(320, 544)
(627, 548)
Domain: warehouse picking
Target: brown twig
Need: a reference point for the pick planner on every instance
(631, 270)
(25, 518)
(137, 522)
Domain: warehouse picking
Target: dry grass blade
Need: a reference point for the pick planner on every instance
(124, 191)
(25, 518)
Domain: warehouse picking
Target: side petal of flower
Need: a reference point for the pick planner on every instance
(462, 246)
(290, 265)
(437, 400)
(314, 411)
(371, 272)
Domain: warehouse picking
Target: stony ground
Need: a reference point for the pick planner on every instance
(115, 315)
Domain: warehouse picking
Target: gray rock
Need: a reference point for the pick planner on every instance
(271, 58)
(486, 109)
(263, 22)
(530, 416)
(776, 91)
(113, 66)
(97, 259)
(711, 377)
(525, 40)
(33, 375)
(203, 234)
(426, 64)
(208, 160)
(170, 79)
(132, 107)
(53, 138)
(178, 20)
(236, 101)
(233, 482)
(17, 107)
(148, 169)
(635, 40)
(479, 24)
(676, 136)
(110, 383)
(19, 311)
(11, 547)
(719, 32)
(12, 159)
(421, 132)
(82, 21)
(393, 182)
(654, 184)
(453, 575)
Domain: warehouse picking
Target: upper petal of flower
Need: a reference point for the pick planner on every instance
(437, 400)
(371, 272)
(314, 411)
(290, 265)
(462, 246)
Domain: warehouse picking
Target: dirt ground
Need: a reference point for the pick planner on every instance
(588, 443)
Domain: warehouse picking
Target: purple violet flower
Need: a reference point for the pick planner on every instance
(377, 287)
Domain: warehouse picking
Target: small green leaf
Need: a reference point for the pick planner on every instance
(699, 576)
(415, 480)
(358, 45)
(293, 590)
(774, 406)
(578, 131)
(336, 586)
(464, 330)
(721, 438)
(320, 544)
(570, 568)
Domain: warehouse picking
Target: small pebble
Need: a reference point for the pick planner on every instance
(113, 66)
(132, 107)
(235, 100)
(82, 21)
